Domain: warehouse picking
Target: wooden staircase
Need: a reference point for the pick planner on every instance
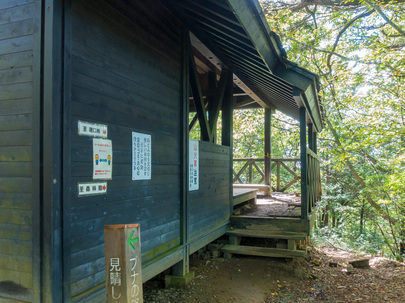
(289, 250)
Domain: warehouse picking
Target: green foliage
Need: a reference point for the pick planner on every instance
(249, 135)
(348, 238)
(248, 141)
(358, 52)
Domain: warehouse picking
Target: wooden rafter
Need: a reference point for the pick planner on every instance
(206, 134)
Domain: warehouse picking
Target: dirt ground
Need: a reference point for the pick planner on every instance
(324, 275)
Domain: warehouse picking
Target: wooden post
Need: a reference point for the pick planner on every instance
(315, 150)
(303, 144)
(182, 267)
(267, 146)
(227, 115)
(250, 171)
(310, 136)
(278, 176)
(185, 138)
(227, 132)
(51, 220)
(123, 270)
(212, 121)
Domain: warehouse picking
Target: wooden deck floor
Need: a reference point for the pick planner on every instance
(241, 195)
(278, 205)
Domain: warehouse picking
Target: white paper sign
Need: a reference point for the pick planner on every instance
(92, 129)
(193, 158)
(141, 156)
(93, 188)
(102, 159)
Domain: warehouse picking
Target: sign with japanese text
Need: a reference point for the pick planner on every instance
(92, 188)
(193, 160)
(102, 159)
(123, 270)
(92, 129)
(141, 156)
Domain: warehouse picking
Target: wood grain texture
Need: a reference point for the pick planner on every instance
(124, 77)
(17, 29)
(209, 206)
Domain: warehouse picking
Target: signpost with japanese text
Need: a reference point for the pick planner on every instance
(123, 270)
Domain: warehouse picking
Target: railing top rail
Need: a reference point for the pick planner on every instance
(262, 159)
(312, 154)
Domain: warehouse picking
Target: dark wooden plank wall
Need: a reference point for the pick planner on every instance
(209, 206)
(18, 31)
(126, 74)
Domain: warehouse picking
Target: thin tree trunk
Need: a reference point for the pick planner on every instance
(361, 219)
(357, 177)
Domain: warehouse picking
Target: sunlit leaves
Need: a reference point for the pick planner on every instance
(361, 65)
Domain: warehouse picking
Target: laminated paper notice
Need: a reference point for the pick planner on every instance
(92, 129)
(193, 172)
(141, 156)
(102, 159)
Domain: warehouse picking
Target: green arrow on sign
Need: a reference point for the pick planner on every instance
(130, 240)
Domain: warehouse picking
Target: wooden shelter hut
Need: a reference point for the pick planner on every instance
(95, 98)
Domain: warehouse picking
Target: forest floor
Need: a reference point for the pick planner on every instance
(324, 275)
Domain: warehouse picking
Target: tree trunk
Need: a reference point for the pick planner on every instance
(361, 219)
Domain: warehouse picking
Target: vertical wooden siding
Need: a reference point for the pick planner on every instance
(125, 74)
(17, 33)
(209, 206)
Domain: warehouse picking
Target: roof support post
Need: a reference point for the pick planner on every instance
(217, 101)
(311, 136)
(227, 115)
(227, 131)
(52, 111)
(315, 143)
(185, 136)
(182, 268)
(267, 146)
(304, 168)
(210, 103)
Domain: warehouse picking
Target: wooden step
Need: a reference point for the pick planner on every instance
(251, 233)
(261, 251)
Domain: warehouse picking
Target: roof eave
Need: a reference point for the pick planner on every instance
(308, 85)
(269, 47)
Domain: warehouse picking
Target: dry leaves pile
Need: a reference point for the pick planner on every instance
(334, 279)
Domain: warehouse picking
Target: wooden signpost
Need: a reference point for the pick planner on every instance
(123, 270)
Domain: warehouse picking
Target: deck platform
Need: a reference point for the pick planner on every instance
(277, 206)
(241, 195)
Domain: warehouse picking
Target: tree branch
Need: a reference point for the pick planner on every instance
(330, 3)
(341, 32)
(381, 13)
(357, 177)
(286, 122)
(341, 56)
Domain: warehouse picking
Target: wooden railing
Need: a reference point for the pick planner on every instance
(314, 189)
(252, 173)
(254, 167)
